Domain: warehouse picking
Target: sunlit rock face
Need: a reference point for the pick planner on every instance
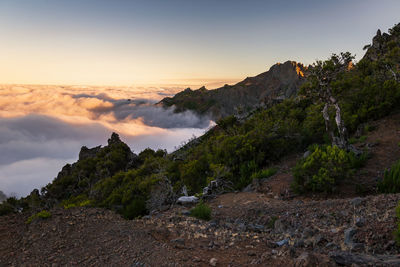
(280, 82)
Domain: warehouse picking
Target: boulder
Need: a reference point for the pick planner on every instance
(213, 262)
(187, 200)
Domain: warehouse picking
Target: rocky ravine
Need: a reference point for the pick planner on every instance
(246, 229)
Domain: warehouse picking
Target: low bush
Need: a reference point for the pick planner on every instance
(6, 208)
(361, 139)
(201, 211)
(136, 208)
(78, 201)
(44, 214)
(391, 180)
(266, 173)
(324, 168)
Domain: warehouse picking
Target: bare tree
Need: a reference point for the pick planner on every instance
(319, 87)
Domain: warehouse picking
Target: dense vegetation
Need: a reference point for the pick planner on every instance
(324, 168)
(235, 150)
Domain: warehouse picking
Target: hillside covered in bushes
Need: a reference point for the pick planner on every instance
(238, 151)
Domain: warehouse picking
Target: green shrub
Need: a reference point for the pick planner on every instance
(361, 139)
(323, 169)
(266, 173)
(201, 211)
(44, 214)
(136, 208)
(6, 208)
(360, 161)
(78, 201)
(391, 180)
(353, 140)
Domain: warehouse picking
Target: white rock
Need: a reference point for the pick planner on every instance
(213, 262)
(185, 199)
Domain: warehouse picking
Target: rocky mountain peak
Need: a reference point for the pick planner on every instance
(381, 43)
(287, 71)
(86, 153)
(114, 139)
(281, 81)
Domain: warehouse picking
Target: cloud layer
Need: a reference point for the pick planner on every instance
(145, 110)
(43, 127)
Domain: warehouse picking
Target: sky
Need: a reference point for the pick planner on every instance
(121, 42)
(74, 71)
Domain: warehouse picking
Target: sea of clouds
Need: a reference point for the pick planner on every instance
(43, 127)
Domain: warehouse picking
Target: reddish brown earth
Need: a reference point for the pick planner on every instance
(245, 229)
(240, 234)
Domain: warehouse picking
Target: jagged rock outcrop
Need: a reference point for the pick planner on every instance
(382, 43)
(280, 82)
(86, 153)
(161, 197)
(93, 165)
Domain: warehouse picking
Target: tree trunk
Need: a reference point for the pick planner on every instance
(392, 72)
(325, 114)
(343, 142)
(340, 141)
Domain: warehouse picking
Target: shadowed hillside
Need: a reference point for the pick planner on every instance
(280, 82)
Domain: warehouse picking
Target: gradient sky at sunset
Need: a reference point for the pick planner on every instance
(124, 42)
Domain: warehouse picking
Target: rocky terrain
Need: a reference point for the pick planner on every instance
(266, 226)
(281, 81)
(246, 229)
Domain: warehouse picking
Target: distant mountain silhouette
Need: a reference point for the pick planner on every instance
(281, 81)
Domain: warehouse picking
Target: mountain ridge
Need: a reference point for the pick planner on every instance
(280, 82)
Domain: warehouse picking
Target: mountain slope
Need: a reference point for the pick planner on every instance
(280, 82)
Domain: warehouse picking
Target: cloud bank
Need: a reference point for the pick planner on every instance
(43, 127)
